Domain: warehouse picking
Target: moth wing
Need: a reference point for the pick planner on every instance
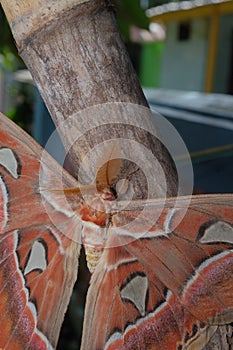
(39, 235)
(165, 290)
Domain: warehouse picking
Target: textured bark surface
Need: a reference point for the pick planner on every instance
(77, 58)
(221, 340)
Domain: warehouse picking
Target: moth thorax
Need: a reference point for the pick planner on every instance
(94, 211)
(93, 255)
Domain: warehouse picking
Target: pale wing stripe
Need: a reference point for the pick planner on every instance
(202, 266)
(30, 305)
(117, 335)
(4, 204)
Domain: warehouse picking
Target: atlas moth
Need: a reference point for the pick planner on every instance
(169, 288)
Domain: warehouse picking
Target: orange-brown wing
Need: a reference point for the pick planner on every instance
(170, 288)
(38, 250)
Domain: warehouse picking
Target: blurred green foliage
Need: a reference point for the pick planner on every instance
(22, 111)
(21, 94)
(9, 59)
(130, 12)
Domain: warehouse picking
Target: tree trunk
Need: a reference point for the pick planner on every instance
(77, 59)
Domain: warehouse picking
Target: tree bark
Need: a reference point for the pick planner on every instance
(77, 59)
(76, 56)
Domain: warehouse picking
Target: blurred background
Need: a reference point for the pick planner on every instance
(182, 52)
